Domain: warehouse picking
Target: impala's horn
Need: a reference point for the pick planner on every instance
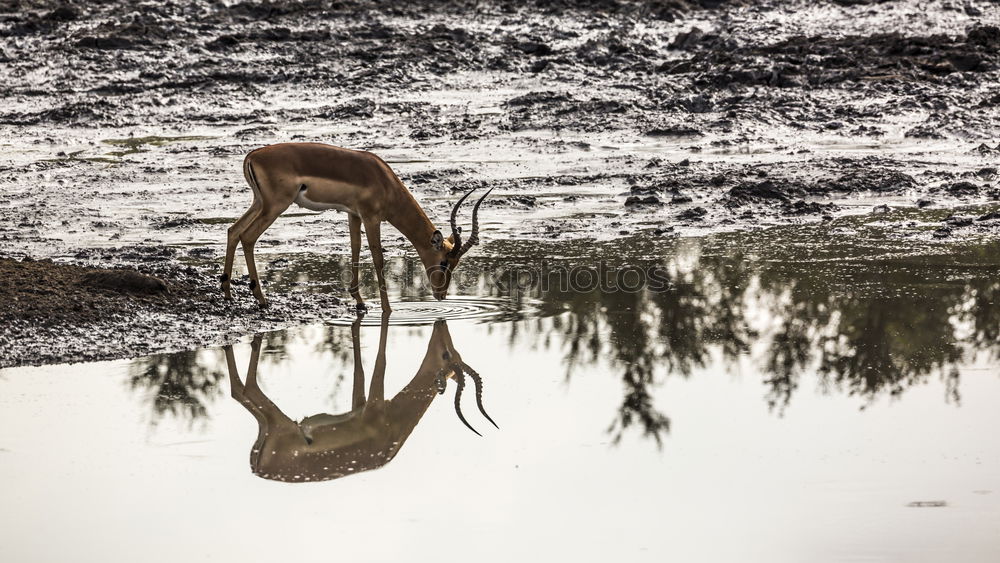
(460, 381)
(474, 237)
(456, 231)
(478, 381)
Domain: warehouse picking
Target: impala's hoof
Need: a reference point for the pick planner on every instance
(264, 305)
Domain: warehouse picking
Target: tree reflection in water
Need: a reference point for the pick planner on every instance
(179, 385)
(867, 323)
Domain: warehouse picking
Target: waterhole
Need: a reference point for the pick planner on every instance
(457, 307)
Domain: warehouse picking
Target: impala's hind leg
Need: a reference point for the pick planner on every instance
(248, 238)
(232, 239)
(354, 225)
(373, 229)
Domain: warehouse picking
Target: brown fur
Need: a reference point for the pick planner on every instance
(358, 182)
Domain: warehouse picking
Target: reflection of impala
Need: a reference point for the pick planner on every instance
(328, 446)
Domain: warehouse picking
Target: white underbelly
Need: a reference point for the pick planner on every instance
(311, 205)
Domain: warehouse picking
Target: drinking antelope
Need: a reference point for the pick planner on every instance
(321, 177)
(328, 446)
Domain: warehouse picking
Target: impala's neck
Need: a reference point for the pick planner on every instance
(410, 220)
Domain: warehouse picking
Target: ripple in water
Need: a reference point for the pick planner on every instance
(460, 307)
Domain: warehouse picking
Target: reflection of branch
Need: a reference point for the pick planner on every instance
(180, 386)
(983, 314)
(638, 407)
(886, 345)
(872, 336)
(790, 353)
(951, 387)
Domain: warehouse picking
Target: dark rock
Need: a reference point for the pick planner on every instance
(174, 223)
(537, 98)
(962, 188)
(748, 192)
(965, 62)
(534, 48)
(63, 14)
(985, 35)
(124, 281)
(674, 131)
(923, 132)
(874, 180)
(686, 39)
(635, 201)
(643, 190)
(959, 221)
(693, 214)
(107, 43)
(540, 65)
(223, 42)
(801, 207)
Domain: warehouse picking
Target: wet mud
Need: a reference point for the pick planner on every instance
(123, 129)
(53, 312)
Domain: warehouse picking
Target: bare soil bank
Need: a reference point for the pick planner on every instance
(53, 312)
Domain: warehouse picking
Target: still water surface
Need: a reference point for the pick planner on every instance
(780, 399)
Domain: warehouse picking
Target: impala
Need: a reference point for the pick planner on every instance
(321, 177)
(328, 446)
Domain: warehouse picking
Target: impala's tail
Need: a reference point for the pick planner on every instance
(251, 177)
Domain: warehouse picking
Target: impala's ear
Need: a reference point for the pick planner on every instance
(436, 240)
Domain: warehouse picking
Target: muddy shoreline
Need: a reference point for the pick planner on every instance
(123, 131)
(57, 313)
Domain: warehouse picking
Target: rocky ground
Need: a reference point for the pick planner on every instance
(123, 125)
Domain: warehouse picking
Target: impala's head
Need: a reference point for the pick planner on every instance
(442, 356)
(448, 251)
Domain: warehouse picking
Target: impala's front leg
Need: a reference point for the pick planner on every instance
(248, 239)
(374, 231)
(358, 397)
(354, 224)
(232, 239)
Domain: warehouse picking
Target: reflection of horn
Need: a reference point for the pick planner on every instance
(478, 381)
(460, 380)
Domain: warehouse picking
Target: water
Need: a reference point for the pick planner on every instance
(781, 397)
